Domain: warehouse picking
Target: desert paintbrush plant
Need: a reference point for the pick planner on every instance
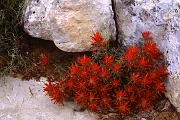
(130, 82)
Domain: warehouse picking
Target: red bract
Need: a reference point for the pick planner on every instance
(104, 72)
(154, 74)
(162, 70)
(145, 104)
(135, 77)
(123, 107)
(48, 87)
(55, 92)
(81, 97)
(151, 49)
(106, 101)
(115, 83)
(121, 95)
(83, 72)
(95, 67)
(43, 59)
(143, 62)
(93, 80)
(69, 83)
(159, 86)
(146, 34)
(116, 67)
(109, 81)
(97, 37)
(145, 81)
(93, 102)
(131, 52)
(104, 89)
(73, 69)
(93, 106)
(80, 85)
(84, 60)
(108, 59)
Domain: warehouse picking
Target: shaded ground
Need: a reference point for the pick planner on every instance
(26, 63)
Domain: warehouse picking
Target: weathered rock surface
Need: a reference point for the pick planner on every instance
(69, 23)
(25, 100)
(162, 18)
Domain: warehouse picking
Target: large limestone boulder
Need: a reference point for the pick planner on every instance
(69, 23)
(162, 18)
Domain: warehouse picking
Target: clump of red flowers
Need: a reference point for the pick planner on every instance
(111, 82)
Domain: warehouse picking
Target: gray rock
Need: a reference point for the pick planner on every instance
(25, 100)
(162, 18)
(69, 23)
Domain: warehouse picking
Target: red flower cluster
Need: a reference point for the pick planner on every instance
(126, 83)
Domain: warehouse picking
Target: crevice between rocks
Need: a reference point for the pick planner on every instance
(115, 18)
(119, 39)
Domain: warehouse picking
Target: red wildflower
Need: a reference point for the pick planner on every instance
(108, 59)
(80, 85)
(48, 87)
(160, 87)
(69, 83)
(143, 62)
(135, 77)
(81, 97)
(84, 60)
(104, 89)
(146, 34)
(123, 107)
(73, 69)
(151, 49)
(43, 59)
(92, 102)
(116, 67)
(106, 100)
(92, 80)
(97, 37)
(93, 106)
(92, 97)
(130, 88)
(95, 67)
(58, 96)
(131, 52)
(149, 94)
(55, 92)
(145, 80)
(162, 70)
(104, 72)
(83, 72)
(115, 83)
(153, 74)
(121, 95)
(145, 104)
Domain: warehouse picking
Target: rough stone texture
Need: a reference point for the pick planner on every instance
(25, 100)
(69, 23)
(162, 18)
